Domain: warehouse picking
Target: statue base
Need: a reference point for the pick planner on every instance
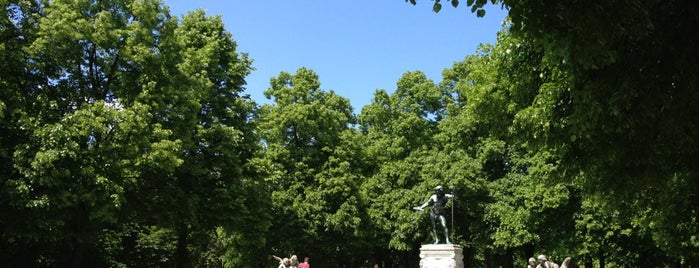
(441, 256)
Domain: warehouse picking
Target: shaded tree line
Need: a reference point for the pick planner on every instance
(126, 140)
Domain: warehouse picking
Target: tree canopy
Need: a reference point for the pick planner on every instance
(127, 140)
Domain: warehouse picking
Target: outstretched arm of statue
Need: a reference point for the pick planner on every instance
(429, 202)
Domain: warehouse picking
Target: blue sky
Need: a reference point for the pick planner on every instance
(355, 47)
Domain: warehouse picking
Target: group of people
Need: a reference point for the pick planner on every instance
(292, 262)
(543, 262)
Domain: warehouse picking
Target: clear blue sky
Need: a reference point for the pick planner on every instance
(355, 47)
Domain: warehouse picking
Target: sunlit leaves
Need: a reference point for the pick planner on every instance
(313, 161)
(574, 133)
(91, 157)
(125, 110)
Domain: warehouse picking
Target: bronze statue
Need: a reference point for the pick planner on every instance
(438, 201)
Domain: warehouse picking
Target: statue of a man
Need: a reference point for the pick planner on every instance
(438, 201)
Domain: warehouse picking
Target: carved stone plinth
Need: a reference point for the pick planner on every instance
(441, 256)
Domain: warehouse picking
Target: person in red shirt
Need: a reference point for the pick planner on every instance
(305, 264)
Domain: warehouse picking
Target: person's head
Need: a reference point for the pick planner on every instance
(306, 259)
(532, 261)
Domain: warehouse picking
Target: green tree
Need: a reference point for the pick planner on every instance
(202, 104)
(515, 204)
(629, 133)
(399, 129)
(310, 165)
(131, 133)
(15, 34)
(618, 104)
(74, 183)
(82, 141)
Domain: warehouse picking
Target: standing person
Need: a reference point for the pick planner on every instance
(305, 263)
(438, 201)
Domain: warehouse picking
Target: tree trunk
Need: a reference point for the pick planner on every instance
(78, 250)
(388, 259)
(379, 256)
(78, 227)
(404, 260)
(509, 259)
(411, 260)
(600, 255)
(181, 252)
(529, 250)
(488, 256)
(468, 255)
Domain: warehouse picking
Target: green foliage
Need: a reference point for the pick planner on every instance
(309, 162)
(476, 5)
(126, 141)
(613, 108)
(127, 116)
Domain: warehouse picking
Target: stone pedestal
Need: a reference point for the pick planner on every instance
(441, 256)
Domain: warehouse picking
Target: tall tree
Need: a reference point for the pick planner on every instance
(202, 104)
(309, 150)
(619, 109)
(399, 129)
(84, 142)
(129, 121)
(15, 34)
